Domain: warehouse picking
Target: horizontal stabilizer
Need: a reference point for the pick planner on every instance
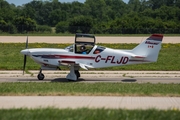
(138, 56)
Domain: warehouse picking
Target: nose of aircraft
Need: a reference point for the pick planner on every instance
(25, 51)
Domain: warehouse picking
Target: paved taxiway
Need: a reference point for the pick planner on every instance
(94, 80)
(95, 76)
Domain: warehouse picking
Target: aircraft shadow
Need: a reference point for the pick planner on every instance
(66, 80)
(80, 80)
(92, 80)
(129, 80)
(49, 80)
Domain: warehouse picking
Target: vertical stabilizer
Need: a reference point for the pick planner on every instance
(149, 48)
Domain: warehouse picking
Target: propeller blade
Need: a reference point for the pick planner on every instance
(24, 66)
(27, 42)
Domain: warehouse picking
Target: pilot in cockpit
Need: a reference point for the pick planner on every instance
(83, 49)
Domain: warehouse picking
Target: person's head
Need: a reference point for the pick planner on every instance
(82, 48)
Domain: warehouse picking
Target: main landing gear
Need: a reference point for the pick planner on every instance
(40, 76)
(74, 73)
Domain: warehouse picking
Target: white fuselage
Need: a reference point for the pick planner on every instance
(56, 57)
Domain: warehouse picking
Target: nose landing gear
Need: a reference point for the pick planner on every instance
(40, 76)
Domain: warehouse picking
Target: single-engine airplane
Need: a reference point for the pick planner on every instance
(85, 54)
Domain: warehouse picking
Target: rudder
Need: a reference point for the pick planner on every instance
(149, 48)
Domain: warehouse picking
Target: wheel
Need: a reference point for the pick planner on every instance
(77, 73)
(40, 76)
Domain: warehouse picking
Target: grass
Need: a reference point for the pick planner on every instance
(88, 114)
(11, 59)
(97, 89)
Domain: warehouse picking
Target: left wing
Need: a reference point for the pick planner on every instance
(71, 62)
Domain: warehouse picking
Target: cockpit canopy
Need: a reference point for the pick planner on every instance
(84, 43)
(85, 39)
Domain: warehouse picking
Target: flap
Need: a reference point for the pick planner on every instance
(82, 65)
(138, 56)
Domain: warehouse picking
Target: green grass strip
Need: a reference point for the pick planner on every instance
(88, 114)
(97, 89)
(11, 59)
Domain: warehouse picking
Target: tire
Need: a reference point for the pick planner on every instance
(40, 76)
(77, 73)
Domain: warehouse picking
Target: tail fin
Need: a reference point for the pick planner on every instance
(149, 48)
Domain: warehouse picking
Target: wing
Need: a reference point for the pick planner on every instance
(71, 62)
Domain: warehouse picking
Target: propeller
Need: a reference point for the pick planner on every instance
(24, 66)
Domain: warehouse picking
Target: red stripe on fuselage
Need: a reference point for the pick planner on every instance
(67, 57)
(75, 57)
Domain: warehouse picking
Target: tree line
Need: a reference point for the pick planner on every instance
(96, 17)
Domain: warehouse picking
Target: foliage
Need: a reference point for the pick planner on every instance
(80, 24)
(25, 24)
(100, 17)
(62, 27)
(43, 29)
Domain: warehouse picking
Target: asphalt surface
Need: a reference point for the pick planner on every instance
(95, 76)
(95, 80)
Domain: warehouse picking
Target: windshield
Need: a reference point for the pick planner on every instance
(99, 49)
(70, 48)
(83, 48)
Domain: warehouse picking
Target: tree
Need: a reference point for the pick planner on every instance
(25, 24)
(135, 5)
(62, 27)
(3, 26)
(56, 16)
(7, 27)
(80, 24)
(116, 8)
(96, 9)
(6, 11)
